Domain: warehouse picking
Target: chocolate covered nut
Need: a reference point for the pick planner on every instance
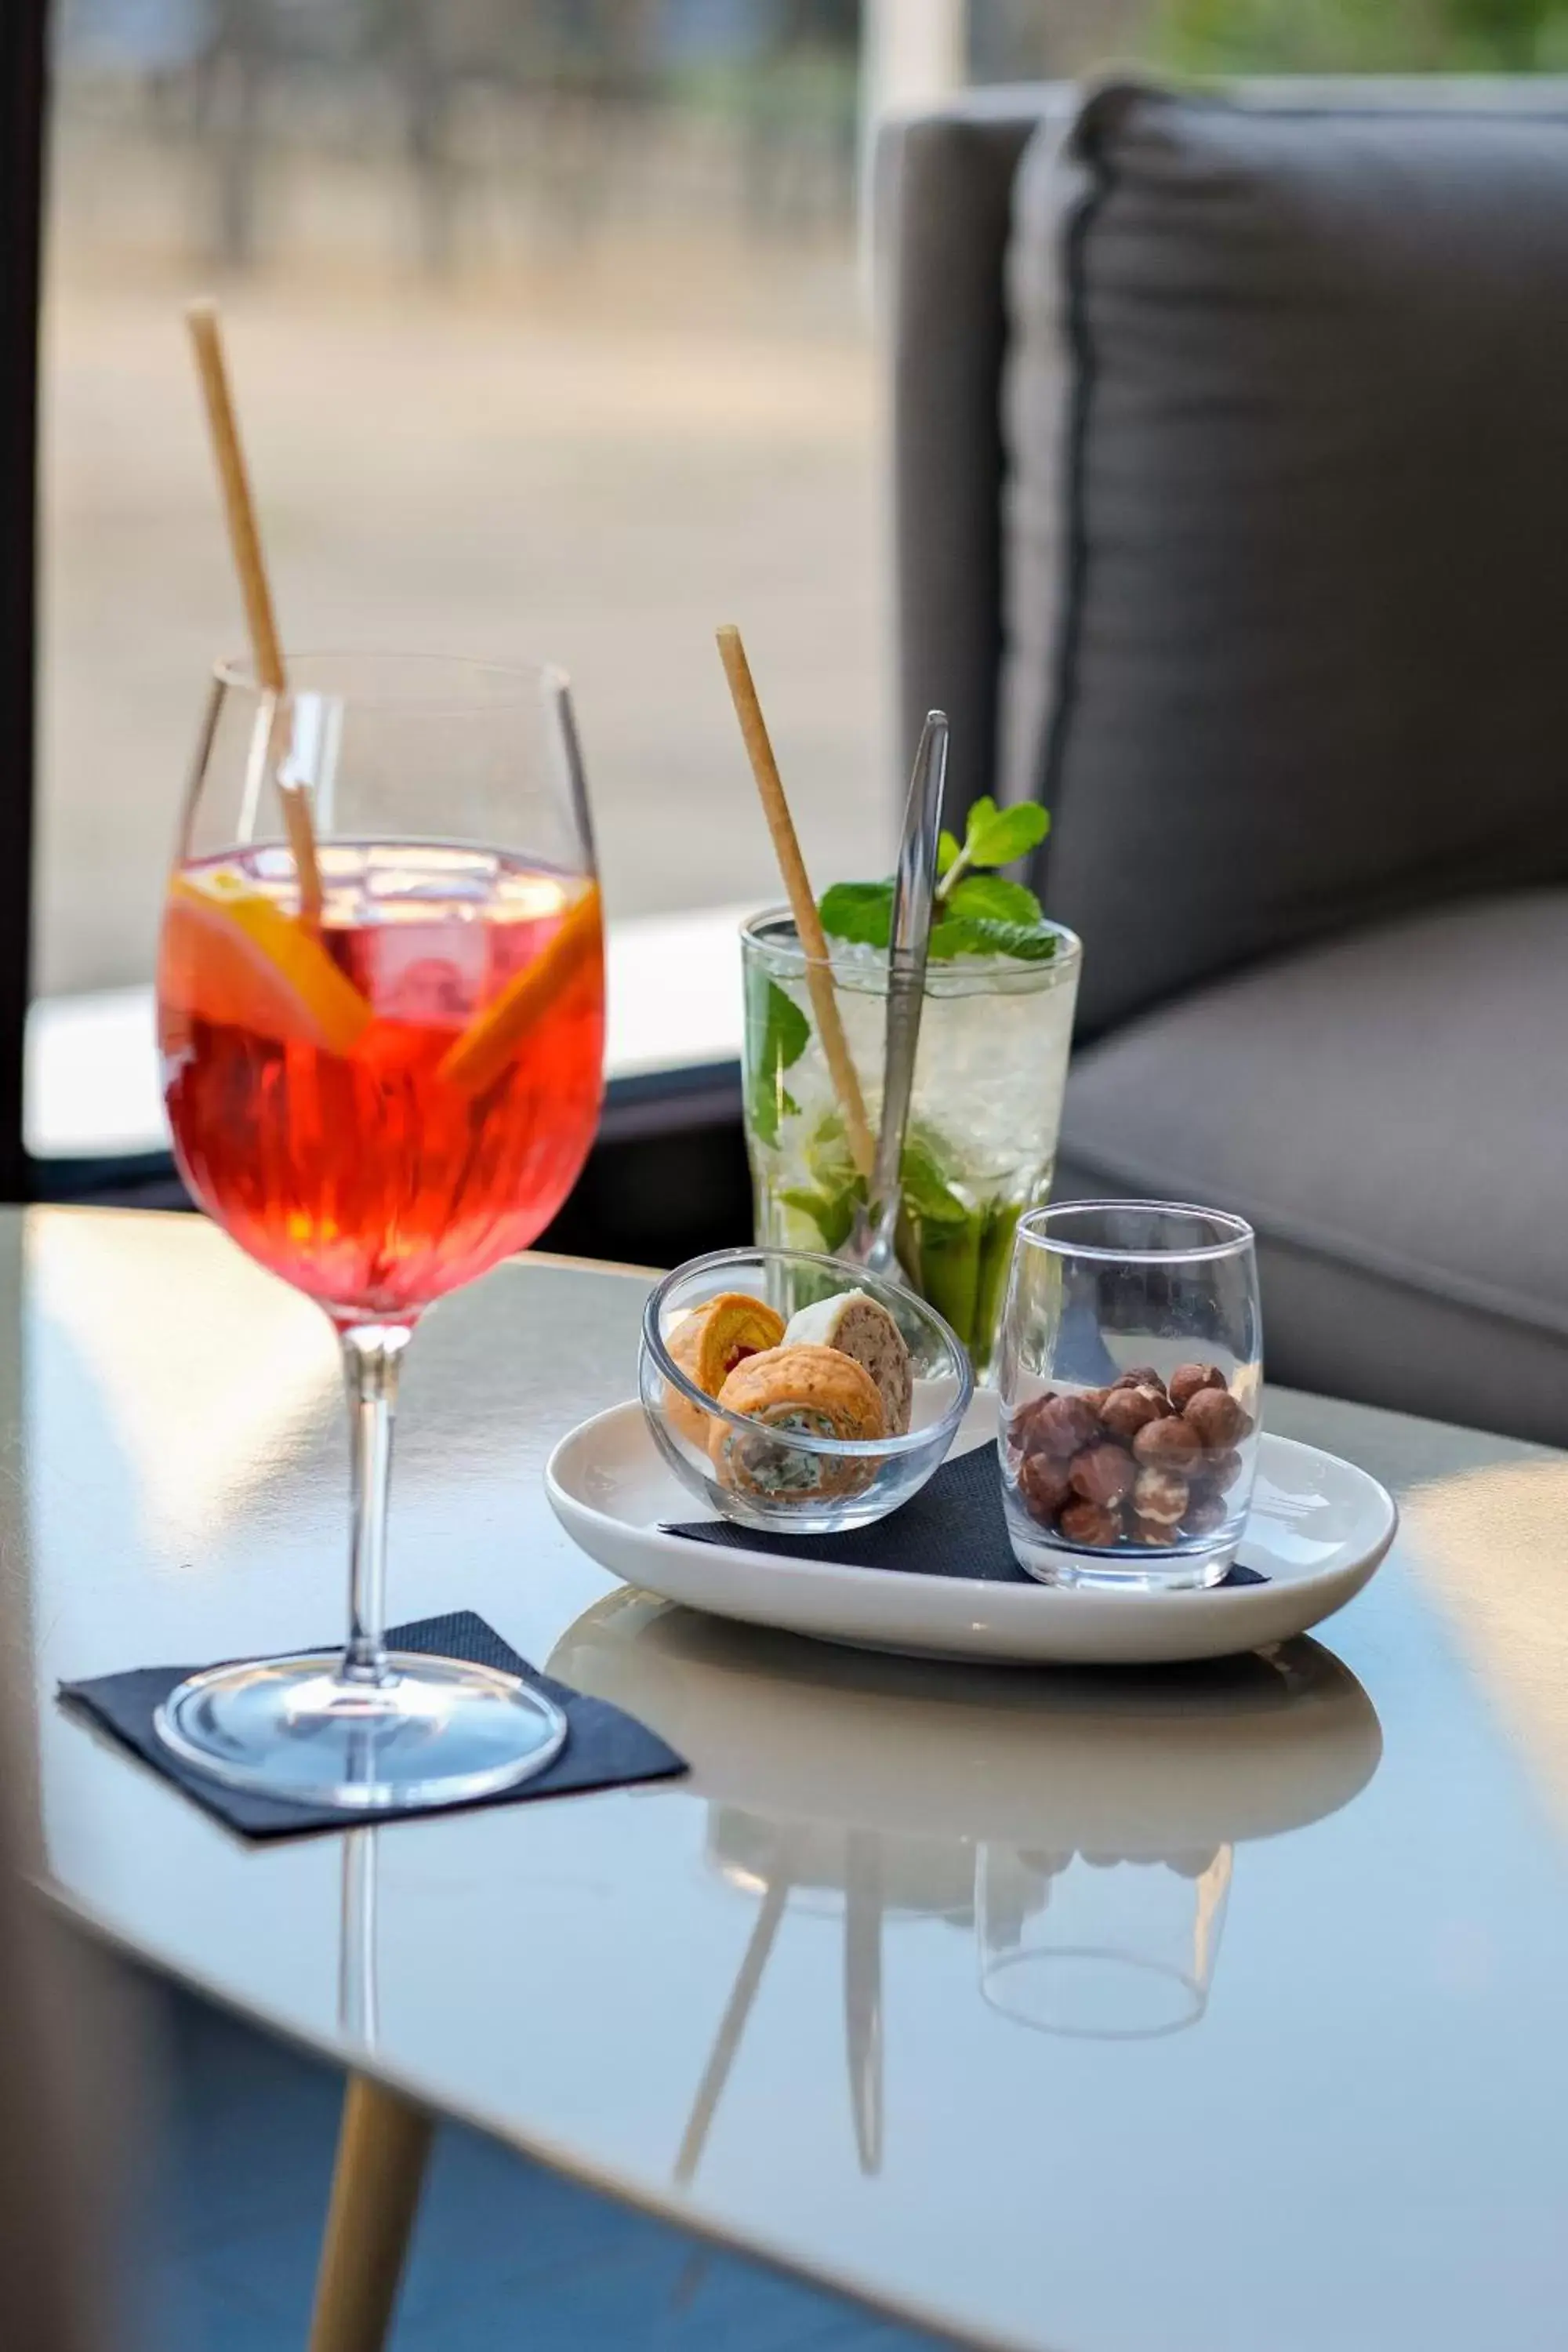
(1044, 1485)
(1022, 1423)
(1090, 1524)
(1151, 1532)
(1217, 1419)
(1020, 1429)
(1214, 1473)
(1187, 1379)
(1057, 1425)
(1103, 1474)
(1206, 1512)
(1126, 1410)
(1168, 1444)
(1142, 1376)
(1160, 1495)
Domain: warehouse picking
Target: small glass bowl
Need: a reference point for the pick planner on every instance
(796, 1484)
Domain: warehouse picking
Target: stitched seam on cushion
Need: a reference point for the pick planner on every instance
(1409, 1273)
(1075, 569)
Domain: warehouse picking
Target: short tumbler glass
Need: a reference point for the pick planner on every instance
(1131, 1377)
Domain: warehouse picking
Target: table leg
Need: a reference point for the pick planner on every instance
(383, 2142)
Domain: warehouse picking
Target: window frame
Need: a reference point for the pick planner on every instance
(23, 93)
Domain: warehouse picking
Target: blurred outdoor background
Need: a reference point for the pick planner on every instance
(552, 339)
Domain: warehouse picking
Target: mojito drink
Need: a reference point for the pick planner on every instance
(980, 1148)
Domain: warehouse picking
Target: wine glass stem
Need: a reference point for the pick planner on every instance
(371, 1355)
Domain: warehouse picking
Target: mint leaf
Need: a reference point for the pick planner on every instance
(996, 836)
(828, 1156)
(1029, 942)
(785, 1034)
(926, 1192)
(833, 1214)
(990, 899)
(837, 1187)
(861, 911)
(947, 852)
(788, 1032)
(957, 935)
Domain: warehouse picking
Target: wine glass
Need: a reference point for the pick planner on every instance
(379, 1086)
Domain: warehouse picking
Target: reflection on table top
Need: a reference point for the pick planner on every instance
(1056, 2010)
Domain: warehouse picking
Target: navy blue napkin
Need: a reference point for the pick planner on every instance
(605, 1747)
(954, 1527)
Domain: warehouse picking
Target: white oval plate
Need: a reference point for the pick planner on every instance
(1318, 1528)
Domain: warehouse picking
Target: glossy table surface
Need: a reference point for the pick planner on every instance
(1205, 2012)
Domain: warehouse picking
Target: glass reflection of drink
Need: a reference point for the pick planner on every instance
(381, 1055)
(1101, 1947)
(1083, 1828)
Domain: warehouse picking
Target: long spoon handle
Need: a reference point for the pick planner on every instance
(914, 891)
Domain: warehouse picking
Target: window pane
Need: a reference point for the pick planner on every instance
(1037, 40)
(548, 334)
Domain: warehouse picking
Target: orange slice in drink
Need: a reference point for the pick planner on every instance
(229, 954)
(490, 1039)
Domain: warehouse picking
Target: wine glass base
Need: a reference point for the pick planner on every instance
(438, 1731)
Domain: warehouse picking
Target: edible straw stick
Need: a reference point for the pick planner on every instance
(803, 902)
(245, 540)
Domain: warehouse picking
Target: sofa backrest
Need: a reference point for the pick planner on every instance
(1232, 498)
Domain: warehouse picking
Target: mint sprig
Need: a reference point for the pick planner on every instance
(977, 913)
(991, 836)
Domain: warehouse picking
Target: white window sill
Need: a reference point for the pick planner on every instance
(92, 1092)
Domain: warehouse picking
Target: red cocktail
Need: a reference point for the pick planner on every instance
(380, 1106)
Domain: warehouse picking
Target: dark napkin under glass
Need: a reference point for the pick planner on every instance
(605, 1747)
(954, 1527)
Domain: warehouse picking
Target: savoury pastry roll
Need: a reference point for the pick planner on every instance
(803, 1392)
(857, 1325)
(708, 1344)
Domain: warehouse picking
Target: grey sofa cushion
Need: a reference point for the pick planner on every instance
(1305, 669)
(1391, 1111)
